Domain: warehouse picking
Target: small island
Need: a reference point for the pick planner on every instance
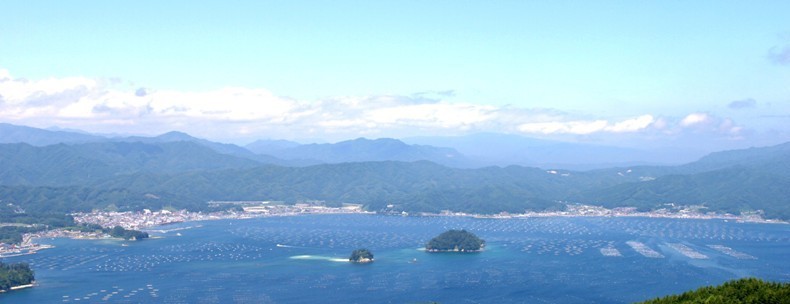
(15, 276)
(455, 241)
(361, 256)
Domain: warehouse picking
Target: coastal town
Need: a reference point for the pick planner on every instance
(148, 219)
(581, 210)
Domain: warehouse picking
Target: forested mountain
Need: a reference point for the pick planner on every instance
(753, 157)
(731, 181)
(82, 164)
(11, 134)
(276, 152)
(418, 186)
(265, 146)
(222, 148)
(178, 170)
(40, 137)
(363, 150)
(175, 136)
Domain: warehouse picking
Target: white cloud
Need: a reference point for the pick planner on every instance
(4, 75)
(230, 104)
(107, 106)
(695, 119)
(443, 115)
(42, 93)
(569, 127)
(588, 127)
(632, 125)
(660, 124)
(727, 126)
(80, 102)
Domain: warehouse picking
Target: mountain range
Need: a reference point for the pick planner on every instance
(175, 169)
(361, 150)
(491, 149)
(471, 151)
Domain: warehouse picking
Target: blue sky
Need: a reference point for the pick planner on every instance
(607, 71)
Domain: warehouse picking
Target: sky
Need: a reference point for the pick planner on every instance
(628, 73)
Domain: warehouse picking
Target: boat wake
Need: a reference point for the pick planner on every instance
(291, 246)
(317, 258)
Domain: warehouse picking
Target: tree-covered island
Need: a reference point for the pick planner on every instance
(15, 275)
(361, 256)
(455, 241)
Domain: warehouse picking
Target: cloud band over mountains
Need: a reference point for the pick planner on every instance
(102, 105)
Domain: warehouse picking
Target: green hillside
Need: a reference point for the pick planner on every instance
(760, 181)
(743, 291)
(83, 164)
(365, 150)
(49, 182)
(418, 186)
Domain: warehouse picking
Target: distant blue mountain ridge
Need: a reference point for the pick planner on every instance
(133, 171)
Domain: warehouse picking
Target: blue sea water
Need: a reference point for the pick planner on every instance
(299, 259)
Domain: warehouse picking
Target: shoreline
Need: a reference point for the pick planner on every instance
(678, 217)
(586, 211)
(18, 287)
(22, 286)
(453, 251)
(735, 219)
(150, 221)
(578, 210)
(25, 249)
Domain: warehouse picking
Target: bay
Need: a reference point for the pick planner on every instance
(302, 259)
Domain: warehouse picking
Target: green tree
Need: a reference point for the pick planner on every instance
(15, 275)
(455, 240)
(743, 291)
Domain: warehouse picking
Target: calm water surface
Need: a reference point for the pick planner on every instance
(300, 260)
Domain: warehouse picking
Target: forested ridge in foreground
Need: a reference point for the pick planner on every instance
(742, 291)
